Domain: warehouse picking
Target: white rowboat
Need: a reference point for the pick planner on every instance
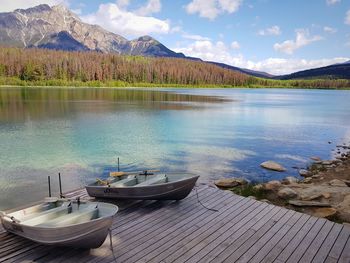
(62, 222)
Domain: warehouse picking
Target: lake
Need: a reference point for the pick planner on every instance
(212, 132)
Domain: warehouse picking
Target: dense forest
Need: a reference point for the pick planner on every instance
(61, 68)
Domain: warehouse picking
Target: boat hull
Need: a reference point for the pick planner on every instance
(90, 234)
(176, 190)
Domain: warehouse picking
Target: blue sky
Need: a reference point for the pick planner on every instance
(268, 35)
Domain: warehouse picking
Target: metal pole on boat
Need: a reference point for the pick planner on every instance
(60, 184)
(48, 180)
(118, 165)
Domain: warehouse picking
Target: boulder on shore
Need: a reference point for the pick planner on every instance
(307, 180)
(272, 185)
(311, 197)
(327, 195)
(290, 180)
(323, 211)
(287, 193)
(344, 209)
(271, 165)
(230, 182)
(315, 158)
(304, 173)
(337, 182)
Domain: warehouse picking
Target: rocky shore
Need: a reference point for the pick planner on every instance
(323, 190)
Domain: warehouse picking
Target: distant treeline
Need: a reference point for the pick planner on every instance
(61, 68)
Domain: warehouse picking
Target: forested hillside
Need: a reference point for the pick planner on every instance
(336, 71)
(49, 67)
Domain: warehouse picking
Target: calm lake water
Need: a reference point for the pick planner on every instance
(212, 132)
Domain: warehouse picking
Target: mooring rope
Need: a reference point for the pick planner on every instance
(199, 201)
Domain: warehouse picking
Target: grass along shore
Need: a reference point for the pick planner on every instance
(339, 84)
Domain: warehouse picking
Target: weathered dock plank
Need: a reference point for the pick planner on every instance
(253, 245)
(317, 242)
(339, 245)
(345, 256)
(184, 240)
(170, 232)
(327, 244)
(275, 237)
(241, 230)
(241, 225)
(293, 244)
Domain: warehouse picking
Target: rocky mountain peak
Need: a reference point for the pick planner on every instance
(35, 9)
(146, 38)
(57, 27)
(63, 10)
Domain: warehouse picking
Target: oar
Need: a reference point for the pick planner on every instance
(117, 174)
(145, 172)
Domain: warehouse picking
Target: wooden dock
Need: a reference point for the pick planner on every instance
(242, 230)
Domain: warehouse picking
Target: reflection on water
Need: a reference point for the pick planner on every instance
(20, 104)
(212, 132)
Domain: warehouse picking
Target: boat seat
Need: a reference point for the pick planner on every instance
(80, 216)
(129, 181)
(47, 215)
(45, 208)
(158, 179)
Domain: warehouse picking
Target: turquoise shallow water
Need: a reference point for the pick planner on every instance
(212, 132)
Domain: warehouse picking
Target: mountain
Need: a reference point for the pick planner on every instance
(58, 28)
(336, 71)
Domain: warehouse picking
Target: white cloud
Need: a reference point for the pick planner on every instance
(329, 29)
(332, 2)
(235, 45)
(123, 3)
(230, 6)
(126, 23)
(280, 66)
(219, 52)
(152, 6)
(194, 37)
(303, 38)
(212, 8)
(176, 29)
(207, 50)
(77, 11)
(274, 30)
(7, 6)
(347, 18)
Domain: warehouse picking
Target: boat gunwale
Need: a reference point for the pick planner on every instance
(144, 186)
(70, 225)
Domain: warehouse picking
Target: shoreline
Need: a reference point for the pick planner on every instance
(324, 190)
(170, 86)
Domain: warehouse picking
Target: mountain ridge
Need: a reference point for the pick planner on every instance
(49, 27)
(335, 71)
